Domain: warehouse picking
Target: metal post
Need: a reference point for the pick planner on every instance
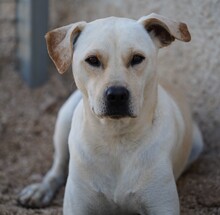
(32, 54)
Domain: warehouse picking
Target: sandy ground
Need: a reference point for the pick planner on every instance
(27, 120)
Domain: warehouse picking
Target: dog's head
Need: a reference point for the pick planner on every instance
(114, 59)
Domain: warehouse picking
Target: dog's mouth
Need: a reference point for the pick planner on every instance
(118, 112)
(115, 113)
(115, 116)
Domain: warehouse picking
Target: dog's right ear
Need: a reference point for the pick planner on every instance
(60, 44)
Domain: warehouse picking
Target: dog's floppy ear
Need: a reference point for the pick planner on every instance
(60, 44)
(164, 31)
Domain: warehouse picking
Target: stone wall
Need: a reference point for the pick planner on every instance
(7, 30)
(195, 65)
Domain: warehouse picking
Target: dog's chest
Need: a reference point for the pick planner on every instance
(109, 164)
(114, 187)
(112, 176)
(110, 170)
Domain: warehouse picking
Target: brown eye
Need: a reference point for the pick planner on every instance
(137, 59)
(93, 61)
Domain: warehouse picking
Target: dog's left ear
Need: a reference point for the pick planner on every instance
(60, 44)
(164, 31)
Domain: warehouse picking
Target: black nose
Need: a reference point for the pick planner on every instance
(117, 95)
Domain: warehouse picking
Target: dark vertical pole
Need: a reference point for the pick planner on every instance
(32, 54)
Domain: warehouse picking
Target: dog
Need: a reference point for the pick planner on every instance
(126, 134)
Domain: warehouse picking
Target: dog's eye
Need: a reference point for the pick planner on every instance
(137, 59)
(93, 61)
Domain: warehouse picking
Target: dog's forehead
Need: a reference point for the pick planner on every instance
(110, 22)
(113, 31)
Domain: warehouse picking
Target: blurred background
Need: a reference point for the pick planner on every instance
(31, 90)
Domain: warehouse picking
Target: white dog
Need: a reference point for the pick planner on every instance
(130, 134)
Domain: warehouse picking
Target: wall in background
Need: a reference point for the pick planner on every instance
(8, 31)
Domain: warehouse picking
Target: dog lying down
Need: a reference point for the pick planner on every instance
(124, 136)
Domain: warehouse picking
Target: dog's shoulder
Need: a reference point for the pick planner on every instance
(178, 96)
(185, 118)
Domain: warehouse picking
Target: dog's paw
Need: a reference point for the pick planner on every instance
(36, 195)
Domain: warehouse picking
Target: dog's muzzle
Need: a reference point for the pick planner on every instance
(117, 101)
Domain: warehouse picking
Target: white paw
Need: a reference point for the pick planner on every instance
(36, 195)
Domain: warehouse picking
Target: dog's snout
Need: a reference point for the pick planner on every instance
(117, 95)
(117, 102)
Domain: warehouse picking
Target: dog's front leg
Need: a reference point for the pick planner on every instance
(161, 198)
(41, 194)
